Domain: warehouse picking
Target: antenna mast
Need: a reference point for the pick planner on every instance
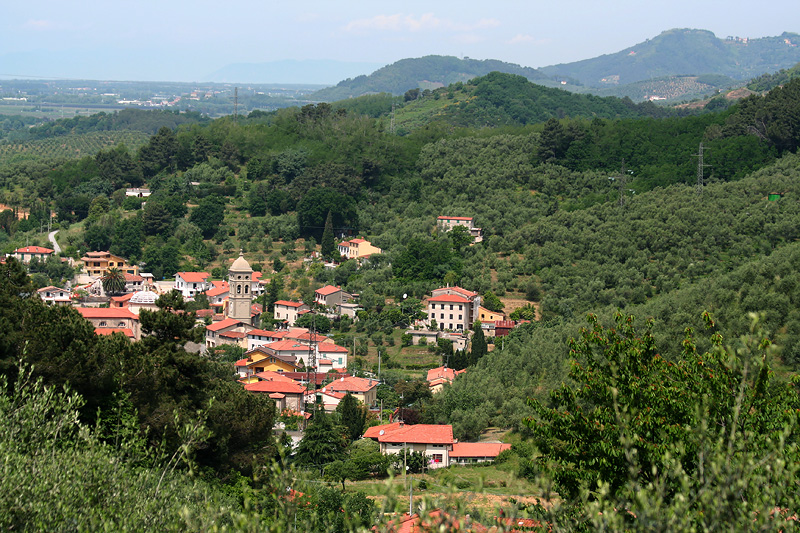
(700, 179)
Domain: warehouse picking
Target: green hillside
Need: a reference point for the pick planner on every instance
(429, 72)
(684, 52)
(588, 206)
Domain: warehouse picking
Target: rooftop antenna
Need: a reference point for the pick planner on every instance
(700, 179)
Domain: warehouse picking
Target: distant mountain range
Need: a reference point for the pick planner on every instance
(683, 52)
(677, 64)
(315, 72)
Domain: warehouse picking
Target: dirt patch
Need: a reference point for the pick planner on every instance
(738, 94)
(511, 304)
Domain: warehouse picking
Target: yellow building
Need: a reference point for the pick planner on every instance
(97, 264)
(484, 315)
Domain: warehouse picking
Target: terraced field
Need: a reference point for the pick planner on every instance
(70, 146)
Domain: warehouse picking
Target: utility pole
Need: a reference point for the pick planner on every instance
(235, 104)
(700, 179)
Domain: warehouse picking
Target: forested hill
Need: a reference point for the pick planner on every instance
(681, 52)
(427, 72)
(670, 255)
(507, 99)
(144, 121)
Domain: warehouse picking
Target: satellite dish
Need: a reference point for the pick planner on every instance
(381, 432)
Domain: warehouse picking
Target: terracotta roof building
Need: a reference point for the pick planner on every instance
(434, 440)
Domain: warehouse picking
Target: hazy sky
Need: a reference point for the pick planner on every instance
(184, 41)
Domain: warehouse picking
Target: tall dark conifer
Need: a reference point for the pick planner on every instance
(327, 246)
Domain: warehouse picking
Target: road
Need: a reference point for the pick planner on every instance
(52, 237)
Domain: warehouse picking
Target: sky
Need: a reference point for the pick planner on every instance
(171, 40)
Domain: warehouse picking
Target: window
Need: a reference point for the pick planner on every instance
(451, 307)
(238, 289)
(460, 317)
(441, 315)
(451, 316)
(121, 325)
(102, 324)
(437, 458)
(245, 289)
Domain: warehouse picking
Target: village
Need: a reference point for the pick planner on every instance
(300, 369)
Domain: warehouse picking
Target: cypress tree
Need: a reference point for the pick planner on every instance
(327, 247)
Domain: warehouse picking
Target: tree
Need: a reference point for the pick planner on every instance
(492, 302)
(208, 215)
(313, 207)
(97, 237)
(113, 281)
(156, 219)
(633, 411)
(323, 442)
(171, 323)
(479, 347)
(460, 237)
(353, 416)
(159, 153)
(327, 246)
(319, 323)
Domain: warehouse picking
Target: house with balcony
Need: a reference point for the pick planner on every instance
(288, 312)
(331, 297)
(55, 295)
(25, 254)
(97, 264)
(192, 283)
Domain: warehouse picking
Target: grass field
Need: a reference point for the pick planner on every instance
(484, 488)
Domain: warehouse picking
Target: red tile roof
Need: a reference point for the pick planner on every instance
(132, 278)
(443, 373)
(327, 290)
(331, 348)
(269, 375)
(415, 434)
(286, 303)
(33, 250)
(460, 290)
(478, 449)
(110, 331)
(275, 386)
(233, 334)
(353, 384)
(265, 333)
(222, 288)
(194, 277)
(107, 312)
(449, 298)
(222, 324)
(282, 346)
